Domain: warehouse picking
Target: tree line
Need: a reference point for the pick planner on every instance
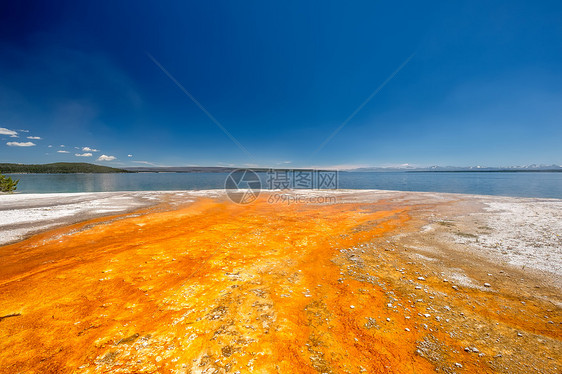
(58, 168)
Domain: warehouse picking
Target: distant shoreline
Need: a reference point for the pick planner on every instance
(87, 168)
(58, 168)
(198, 170)
(485, 171)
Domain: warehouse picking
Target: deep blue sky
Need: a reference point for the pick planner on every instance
(484, 86)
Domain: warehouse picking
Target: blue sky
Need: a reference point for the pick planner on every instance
(483, 87)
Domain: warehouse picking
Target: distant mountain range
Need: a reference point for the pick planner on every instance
(409, 168)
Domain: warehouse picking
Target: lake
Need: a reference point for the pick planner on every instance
(525, 184)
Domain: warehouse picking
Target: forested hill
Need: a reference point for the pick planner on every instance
(59, 167)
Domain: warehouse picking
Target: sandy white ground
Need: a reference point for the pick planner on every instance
(25, 214)
(522, 232)
(22, 215)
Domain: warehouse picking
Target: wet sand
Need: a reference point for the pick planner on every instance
(188, 282)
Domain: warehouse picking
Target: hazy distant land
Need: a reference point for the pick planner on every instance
(82, 167)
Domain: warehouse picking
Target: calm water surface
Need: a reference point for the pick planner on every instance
(539, 184)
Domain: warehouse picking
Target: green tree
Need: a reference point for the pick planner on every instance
(7, 184)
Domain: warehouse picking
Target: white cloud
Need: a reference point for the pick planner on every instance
(62, 145)
(148, 163)
(83, 155)
(63, 152)
(106, 158)
(50, 146)
(129, 155)
(34, 137)
(88, 149)
(10, 133)
(23, 130)
(20, 144)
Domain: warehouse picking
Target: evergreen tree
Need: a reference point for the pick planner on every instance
(7, 184)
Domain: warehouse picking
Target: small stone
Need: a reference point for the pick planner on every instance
(389, 305)
(427, 315)
(418, 287)
(487, 285)
(458, 365)
(352, 306)
(475, 350)
(445, 280)
(455, 288)
(519, 334)
(407, 329)
(388, 320)
(466, 349)
(421, 278)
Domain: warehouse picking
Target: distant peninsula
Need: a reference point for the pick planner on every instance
(58, 168)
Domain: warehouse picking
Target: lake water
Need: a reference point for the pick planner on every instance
(528, 184)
